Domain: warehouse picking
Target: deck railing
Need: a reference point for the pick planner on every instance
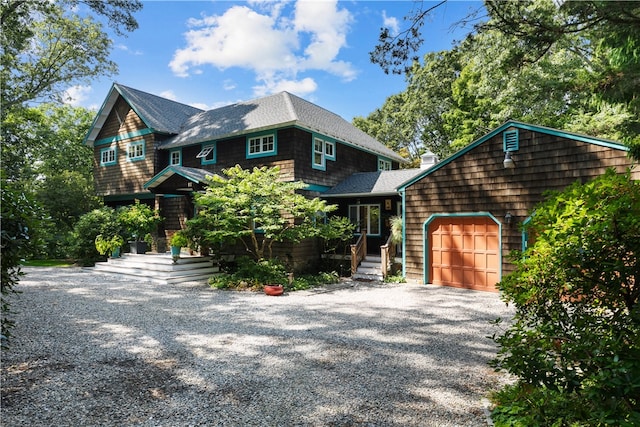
(387, 254)
(358, 252)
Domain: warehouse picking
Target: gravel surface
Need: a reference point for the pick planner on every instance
(94, 349)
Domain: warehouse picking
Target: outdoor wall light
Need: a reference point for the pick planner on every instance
(508, 218)
(508, 161)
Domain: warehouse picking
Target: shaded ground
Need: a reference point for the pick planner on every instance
(100, 350)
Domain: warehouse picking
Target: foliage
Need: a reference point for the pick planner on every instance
(106, 245)
(336, 232)
(180, 239)
(568, 65)
(50, 46)
(573, 344)
(396, 278)
(139, 220)
(99, 221)
(396, 229)
(251, 275)
(18, 216)
(256, 208)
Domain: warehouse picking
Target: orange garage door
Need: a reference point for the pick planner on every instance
(464, 252)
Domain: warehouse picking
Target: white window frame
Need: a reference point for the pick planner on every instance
(360, 215)
(384, 164)
(261, 145)
(171, 158)
(111, 154)
(135, 151)
(208, 150)
(330, 150)
(318, 156)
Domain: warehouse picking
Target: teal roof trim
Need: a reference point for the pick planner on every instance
(191, 174)
(518, 125)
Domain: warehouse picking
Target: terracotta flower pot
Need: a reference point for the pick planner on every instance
(273, 290)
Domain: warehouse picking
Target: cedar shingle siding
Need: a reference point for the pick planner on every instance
(478, 182)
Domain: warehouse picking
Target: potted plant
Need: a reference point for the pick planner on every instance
(178, 241)
(139, 220)
(109, 245)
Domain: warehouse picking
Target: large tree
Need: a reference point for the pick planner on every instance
(256, 208)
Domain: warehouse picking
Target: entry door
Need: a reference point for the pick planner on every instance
(464, 252)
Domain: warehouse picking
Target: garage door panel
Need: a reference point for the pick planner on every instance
(464, 252)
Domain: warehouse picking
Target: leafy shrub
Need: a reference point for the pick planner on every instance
(574, 343)
(99, 221)
(395, 278)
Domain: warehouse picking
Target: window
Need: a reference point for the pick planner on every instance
(175, 158)
(318, 154)
(510, 140)
(208, 154)
(366, 218)
(330, 150)
(384, 165)
(261, 146)
(135, 151)
(108, 156)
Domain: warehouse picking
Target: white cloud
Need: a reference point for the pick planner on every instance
(390, 22)
(76, 95)
(169, 94)
(275, 46)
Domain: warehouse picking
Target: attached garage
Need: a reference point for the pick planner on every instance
(463, 251)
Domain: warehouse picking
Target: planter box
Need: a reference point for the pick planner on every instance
(138, 247)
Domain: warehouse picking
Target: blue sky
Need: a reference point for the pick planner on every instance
(214, 53)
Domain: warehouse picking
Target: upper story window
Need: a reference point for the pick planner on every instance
(263, 145)
(108, 156)
(135, 151)
(208, 154)
(323, 150)
(175, 158)
(318, 154)
(384, 164)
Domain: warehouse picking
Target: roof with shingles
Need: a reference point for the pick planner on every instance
(191, 126)
(372, 183)
(192, 174)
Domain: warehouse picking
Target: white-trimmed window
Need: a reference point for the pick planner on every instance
(108, 156)
(135, 151)
(264, 145)
(366, 218)
(175, 157)
(384, 164)
(330, 150)
(208, 154)
(318, 154)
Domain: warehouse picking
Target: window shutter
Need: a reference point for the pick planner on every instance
(510, 140)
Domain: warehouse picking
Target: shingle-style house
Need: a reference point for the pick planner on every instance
(160, 151)
(462, 216)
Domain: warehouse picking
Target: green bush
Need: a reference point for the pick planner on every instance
(99, 221)
(573, 344)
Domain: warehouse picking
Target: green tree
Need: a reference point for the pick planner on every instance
(574, 342)
(256, 208)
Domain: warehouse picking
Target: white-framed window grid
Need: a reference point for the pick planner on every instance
(108, 156)
(366, 217)
(208, 154)
(135, 151)
(175, 157)
(318, 154)
(384, 164)
(263, 145)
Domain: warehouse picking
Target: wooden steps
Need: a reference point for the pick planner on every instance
(160, 268)
(370, 269)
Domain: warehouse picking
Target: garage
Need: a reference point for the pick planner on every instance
(463, 252)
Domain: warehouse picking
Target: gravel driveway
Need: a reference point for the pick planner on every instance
(98, 350)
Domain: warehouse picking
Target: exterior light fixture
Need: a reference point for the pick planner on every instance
(508, 218)
(508, 161)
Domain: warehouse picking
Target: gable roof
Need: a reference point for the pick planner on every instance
(191, 174)
(270, 112)
(380, 183)
(159, 114)
(519, 125)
